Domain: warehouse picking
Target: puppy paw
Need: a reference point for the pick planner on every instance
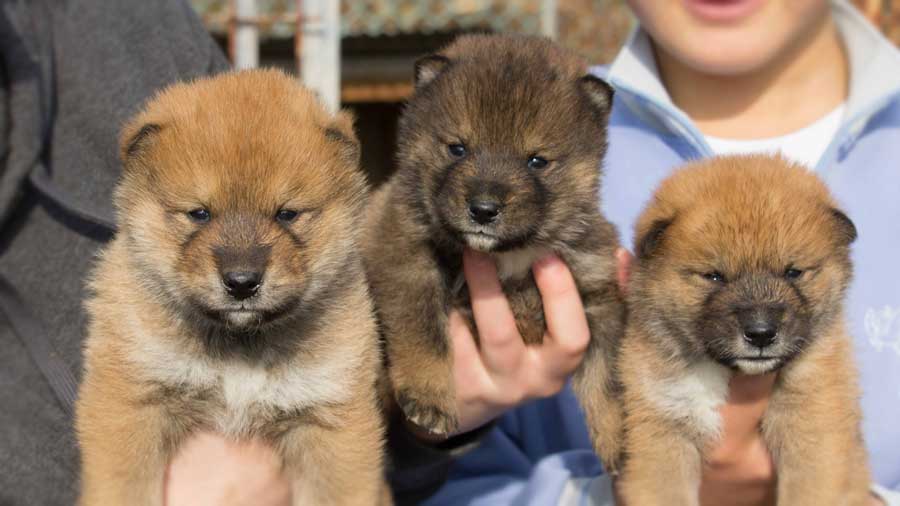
(612, 462)
(439, 420)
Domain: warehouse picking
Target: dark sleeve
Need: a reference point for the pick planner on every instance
(531, 456)
(109, 59)
(417, 469)
(74, 71)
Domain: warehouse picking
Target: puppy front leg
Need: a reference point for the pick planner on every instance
(412, 306)
(816, 469)
(336, 459)
(812, 428)
(596, 382)
(662, 468)
(124, 447)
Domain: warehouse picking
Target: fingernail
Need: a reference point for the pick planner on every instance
(546, 261)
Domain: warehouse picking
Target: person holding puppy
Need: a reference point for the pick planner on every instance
(810, 78)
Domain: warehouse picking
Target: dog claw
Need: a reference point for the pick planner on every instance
(428, 416)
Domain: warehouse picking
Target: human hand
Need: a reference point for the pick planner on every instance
(210, 470)
(503, 372)
(739, 469)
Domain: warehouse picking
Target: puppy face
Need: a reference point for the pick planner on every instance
(743, 259)
(239, 199)
(505, 135)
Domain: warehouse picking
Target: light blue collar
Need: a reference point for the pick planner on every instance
(874, 81)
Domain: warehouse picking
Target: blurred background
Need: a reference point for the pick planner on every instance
(359, 54)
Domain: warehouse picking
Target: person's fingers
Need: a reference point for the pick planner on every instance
(741, 415)
(464, 348)
(568, 333)
(468, 370)
(501, 345)
(253, 463)
(624, 259)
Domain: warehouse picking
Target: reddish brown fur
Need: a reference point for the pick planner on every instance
(749, 219)
(168, 353)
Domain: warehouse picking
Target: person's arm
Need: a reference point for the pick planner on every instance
(539, 452)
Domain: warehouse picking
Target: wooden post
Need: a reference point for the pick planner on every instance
(549, 22)
(245, 44)
(320, 50)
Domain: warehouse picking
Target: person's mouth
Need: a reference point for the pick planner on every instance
(722, 11)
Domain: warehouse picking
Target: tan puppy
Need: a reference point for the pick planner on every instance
(232, 298)
(742, 265)
(499, 151)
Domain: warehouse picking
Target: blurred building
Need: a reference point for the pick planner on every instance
(380, 40)
(359, 54)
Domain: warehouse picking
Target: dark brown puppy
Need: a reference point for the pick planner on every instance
(500, 151)
(742, 267)
(233, 298)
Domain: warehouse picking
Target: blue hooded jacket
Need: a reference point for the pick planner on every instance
(540, 452)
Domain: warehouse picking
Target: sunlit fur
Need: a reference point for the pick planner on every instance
(716, 244)
(750, 220)
(505, 99)
(170, 351)
(243, 168)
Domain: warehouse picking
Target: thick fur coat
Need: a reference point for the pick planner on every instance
(742, 267)
(500, 150)
(232, 298)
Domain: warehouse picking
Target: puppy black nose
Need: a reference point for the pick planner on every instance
(760, 335)
(241, 284)
(483, 211)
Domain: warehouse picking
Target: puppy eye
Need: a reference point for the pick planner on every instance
(715, 276)
(457, 150)
(536, 163)
(792, 273)
(199, 215)
(286, 215)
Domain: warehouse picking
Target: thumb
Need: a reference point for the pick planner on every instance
(748, 398)
(623, 261)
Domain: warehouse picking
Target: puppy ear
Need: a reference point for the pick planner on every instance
(340, 131)
(427, 68)
(651, 240)
(136, 139)
(846, 228)
(598, 91)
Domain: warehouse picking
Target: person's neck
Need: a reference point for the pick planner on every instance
(793, 91)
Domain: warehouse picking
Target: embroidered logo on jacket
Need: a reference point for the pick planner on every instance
(883, 328)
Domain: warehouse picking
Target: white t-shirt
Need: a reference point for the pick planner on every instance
(804, 146)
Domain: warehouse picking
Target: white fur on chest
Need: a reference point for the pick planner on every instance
(516, 264)
(249, 391)
(694, 397)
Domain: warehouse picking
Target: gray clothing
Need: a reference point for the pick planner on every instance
(72, 72)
